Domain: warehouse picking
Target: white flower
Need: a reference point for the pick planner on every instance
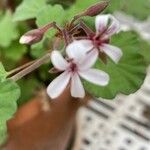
(106, 26)
(78, 65)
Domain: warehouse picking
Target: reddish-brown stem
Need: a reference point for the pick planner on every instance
(20, 68)
(10, 4)
(57, 42)
(83, 26)
(73, 20)
(66, 36)
(31, 68)
(87, 30)
(91, 11)
(48, 26)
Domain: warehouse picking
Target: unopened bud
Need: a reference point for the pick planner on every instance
(31, 37)
(95, 9)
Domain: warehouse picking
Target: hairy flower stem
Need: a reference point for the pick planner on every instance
(31, 68)
(48, 26)
(83, 26)
(91, 11)
(20, 68)
(64, 32)
(87, 30)
(66, 37)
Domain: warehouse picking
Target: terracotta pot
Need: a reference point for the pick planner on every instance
(35, 127)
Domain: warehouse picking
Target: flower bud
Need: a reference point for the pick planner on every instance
(31, 37)
(95, 9)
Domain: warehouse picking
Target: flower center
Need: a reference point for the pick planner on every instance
(98, 41)
(73, 67)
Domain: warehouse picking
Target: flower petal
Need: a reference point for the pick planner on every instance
(58, 61)
(113, 52)
(95, 76)
(58, 85)
(101, 23)
(86, 43)
(77, 89)
(89, 60)
(78, 49)
(114, 26)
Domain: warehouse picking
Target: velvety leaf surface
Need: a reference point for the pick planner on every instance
(15, 51)
(28, 9)
(85, 4)
(9, 94)
(3, 73)
(145, 51)
(127, 76)
(49, 14)
(8, 30)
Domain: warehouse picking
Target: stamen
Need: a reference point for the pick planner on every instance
(98, 40)
(73, 67)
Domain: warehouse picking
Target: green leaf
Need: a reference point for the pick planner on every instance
(3, 133)
(141, 11)
(8, 30)
(65, 3)
(125, 77)
(28, 9)
(3, 73)
(28, 88)
(145, 51)
(114, 5)
(9, 94)
(15, 52)
(85, 4)
(38, 49)
(49, 14)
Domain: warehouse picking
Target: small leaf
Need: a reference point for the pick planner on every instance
(49, 14)
(9, 94)
(125, 77)
(8, 30)
(3, 73)
(28, 9)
